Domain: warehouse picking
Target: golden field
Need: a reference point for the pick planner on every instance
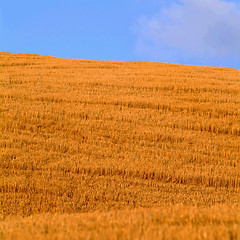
(118, 150)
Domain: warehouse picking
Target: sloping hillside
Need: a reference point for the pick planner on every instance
(122, 138)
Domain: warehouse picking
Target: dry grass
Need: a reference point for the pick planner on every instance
(112, 137)
(173, 222)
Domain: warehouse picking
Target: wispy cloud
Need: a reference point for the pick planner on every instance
(205, 32)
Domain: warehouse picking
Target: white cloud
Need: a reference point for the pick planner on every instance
(192, 31)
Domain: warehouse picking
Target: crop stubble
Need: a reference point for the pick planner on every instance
(79, 136)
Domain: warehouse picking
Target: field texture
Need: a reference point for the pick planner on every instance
(118, 150)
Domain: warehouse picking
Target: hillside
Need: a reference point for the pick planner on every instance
(123, 150)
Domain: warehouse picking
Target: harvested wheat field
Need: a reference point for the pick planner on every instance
(118, 150)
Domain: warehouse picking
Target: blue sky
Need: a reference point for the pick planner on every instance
(197, 32)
